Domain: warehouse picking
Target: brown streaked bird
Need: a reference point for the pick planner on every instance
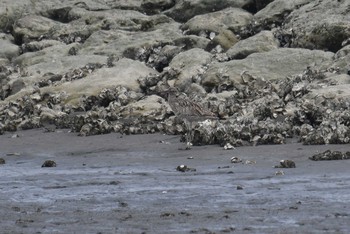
(188, 111)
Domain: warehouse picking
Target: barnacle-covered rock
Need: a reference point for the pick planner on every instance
(204, 134)
(95, 127)
(49, 163)
(30, 123)
(330, 155)
(149, 107)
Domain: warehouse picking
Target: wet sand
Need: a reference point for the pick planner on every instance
(129, 184)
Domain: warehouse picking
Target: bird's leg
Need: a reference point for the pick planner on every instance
(189, 135)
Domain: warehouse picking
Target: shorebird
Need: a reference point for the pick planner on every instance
(187, 110)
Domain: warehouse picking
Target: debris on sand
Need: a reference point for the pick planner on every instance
(228, 146)
(286, 164)
(236, 160)
(184, 168)
(2, 161)
(250, 162)
(330, 155)
(49, 163)
(279, 173)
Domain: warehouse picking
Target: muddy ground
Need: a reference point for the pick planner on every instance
(129, 184)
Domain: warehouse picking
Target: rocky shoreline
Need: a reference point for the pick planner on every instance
(270, 70)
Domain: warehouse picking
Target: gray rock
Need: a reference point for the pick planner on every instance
(42, 65)
(276, 12)
(156, 6)
(133, 45)
(189, 64)
(8, 49)
(150, 107)
(326, 29)
(260, 4)
(39, 45)
(125, 4)
(11, 11)
(32, 27)
(261, 42)
(223, 41)
(188, 42)
(341, 60)
(126, 72)
(229, 18)
(186, 9)
(3, 63)
(271, 65)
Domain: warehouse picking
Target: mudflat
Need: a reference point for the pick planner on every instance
(129, 184)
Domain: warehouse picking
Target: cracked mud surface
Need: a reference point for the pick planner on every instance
(129, 184)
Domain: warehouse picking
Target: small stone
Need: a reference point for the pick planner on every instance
(49, 163)
(250, 162)
(236, 160)
(228, 146)
(239, 187)
(184, 168)
(278, 173)
(181, 168)
(2, 161)
(286, 164)
(13, 154)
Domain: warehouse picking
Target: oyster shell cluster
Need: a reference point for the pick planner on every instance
(330, 155)
(253, 112)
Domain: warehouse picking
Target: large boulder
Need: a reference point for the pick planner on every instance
(32, 27)
(320, 25)
(276, 11)
(150, 107)
(126, 73)
(8, 49)
(261, 42)
(133, 45)
(50, 64)
(189, 64)
(186, 9)
(229, 18)
(341, 60)
(271, 65)
(156, 6)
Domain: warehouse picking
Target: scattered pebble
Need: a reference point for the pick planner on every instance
(228, 146)
(278, 173)
(2, 161)
(13, 154)
(184, 168)
(224, 167)
(250, 162)
(236, 160)
(286, 164)
(49, 163)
